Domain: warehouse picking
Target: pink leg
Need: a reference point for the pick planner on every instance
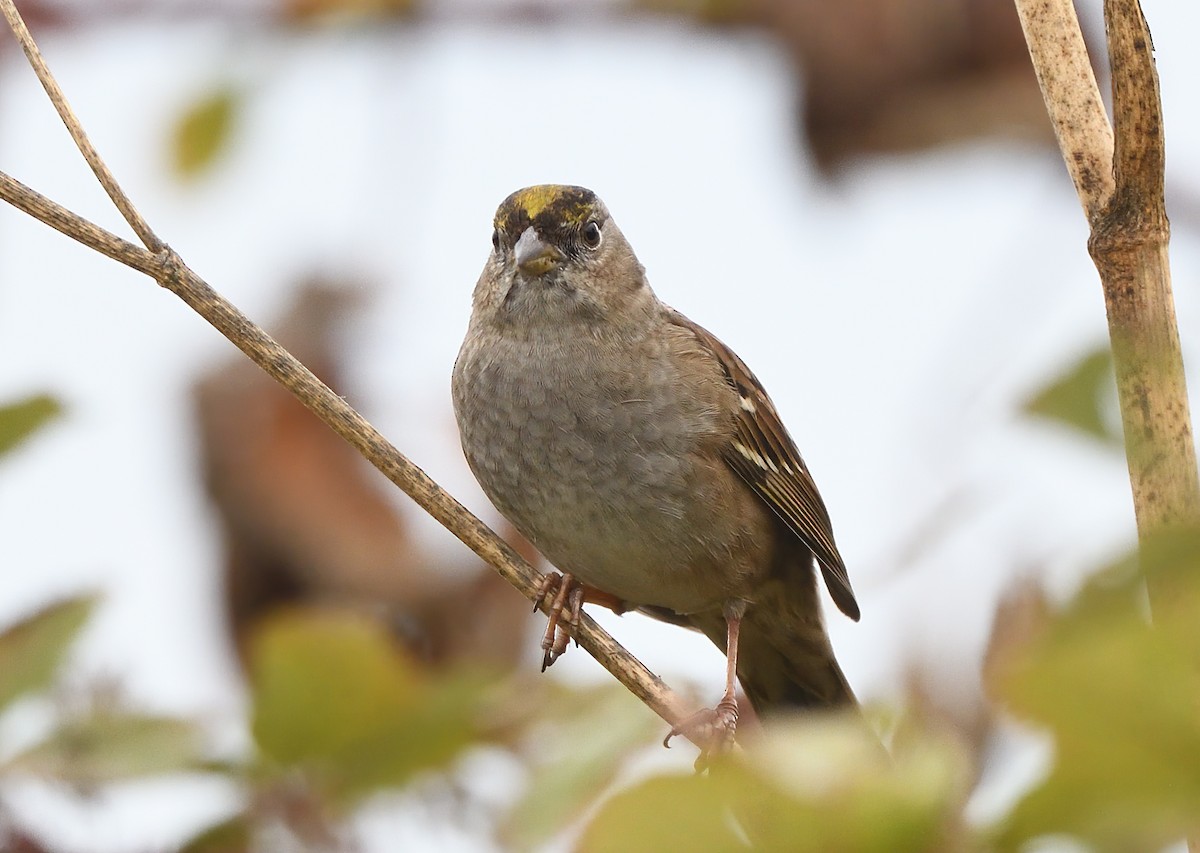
(716, 726)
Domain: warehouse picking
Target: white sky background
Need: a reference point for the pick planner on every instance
(898, 317)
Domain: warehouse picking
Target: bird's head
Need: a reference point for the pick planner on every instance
(557, 256)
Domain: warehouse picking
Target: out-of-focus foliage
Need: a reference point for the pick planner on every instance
(203, 131)
(228, 836)
(348, 9)
(109, 745)
(816, 784)
(304, 522)
(336, 698)
(1083, 397)
(101, 744)
(1120, 694)
(22, 419)
(32, 649)
(341, 710)
(579, 750)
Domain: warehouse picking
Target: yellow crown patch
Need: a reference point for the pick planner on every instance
(546, 206)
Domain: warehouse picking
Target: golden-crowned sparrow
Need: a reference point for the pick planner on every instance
(642, 457)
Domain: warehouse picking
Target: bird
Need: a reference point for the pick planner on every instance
(644, 459)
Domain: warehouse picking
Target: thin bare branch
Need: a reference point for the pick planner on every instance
(354, 428)
(169, 270)
(17, 24)
(75, 226)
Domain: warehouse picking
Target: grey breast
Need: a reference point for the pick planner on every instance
(589, 462)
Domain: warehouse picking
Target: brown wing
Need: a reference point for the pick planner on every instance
(764, 455)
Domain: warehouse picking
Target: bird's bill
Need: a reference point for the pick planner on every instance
(534, 256)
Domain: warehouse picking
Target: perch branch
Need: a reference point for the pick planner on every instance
(162, 264)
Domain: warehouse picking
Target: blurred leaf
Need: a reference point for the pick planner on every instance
(1081, 397)
(1121, 699)
(335, 695)
(228, 836)
(815, 784)
(1021, 617)
(108, 746)
(834, 766)
(583, 739)
(20, 420)
(306, 9)
(32, 650)
(203, 130)
(674, 812)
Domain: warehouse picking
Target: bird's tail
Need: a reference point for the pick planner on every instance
(785, 660)
(788, 666)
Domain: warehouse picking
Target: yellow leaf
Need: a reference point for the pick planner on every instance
(203, 131)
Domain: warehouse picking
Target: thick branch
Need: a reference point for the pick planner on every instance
(1072, 97)
(1128, 244)
(1122, 192)
(1129, 247)
(1137, 106)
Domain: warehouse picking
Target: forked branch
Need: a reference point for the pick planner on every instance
(161, 263)
(1118, 174)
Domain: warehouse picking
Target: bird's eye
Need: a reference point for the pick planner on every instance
(496, 239)
(591, 234)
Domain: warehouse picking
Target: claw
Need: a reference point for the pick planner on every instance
(564, 611)
(713, 727)
(578, 595)
(548, 584)
(564, 597)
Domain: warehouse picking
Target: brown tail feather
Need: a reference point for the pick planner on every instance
(785, 660)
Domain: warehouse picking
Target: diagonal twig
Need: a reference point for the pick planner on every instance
(124, 205)
(161, 263)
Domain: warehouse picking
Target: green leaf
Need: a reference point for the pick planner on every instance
(672, 812)
(811, 784)
(336, 697)
(1120, 696)
(32, 650)
(203, 131)
(583, 740)
(108, 746)
(20, 420)
(1082, 398)
(228, 836)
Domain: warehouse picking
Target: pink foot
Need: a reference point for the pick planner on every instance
(713, 727)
